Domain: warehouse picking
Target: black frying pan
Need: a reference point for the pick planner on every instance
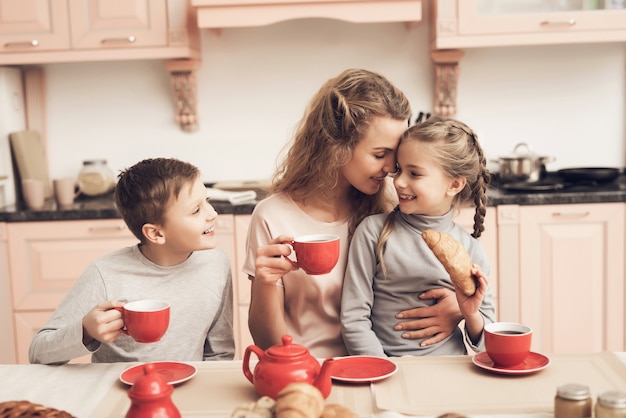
(597, 174)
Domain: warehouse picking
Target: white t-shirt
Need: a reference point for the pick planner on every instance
(312, 303)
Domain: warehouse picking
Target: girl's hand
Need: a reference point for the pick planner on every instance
(103, 323)
(270, 263)
(469, 305)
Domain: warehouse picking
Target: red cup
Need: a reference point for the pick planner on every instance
(507, 343)
(145, 320)
(315, 254)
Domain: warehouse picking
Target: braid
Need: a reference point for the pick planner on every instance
(479, 191)
(384, 236)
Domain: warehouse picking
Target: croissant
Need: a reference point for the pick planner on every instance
(454, 258)
(299, 400)
(19, 409)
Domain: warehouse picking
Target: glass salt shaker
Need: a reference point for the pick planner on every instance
(611, 404)
(572, 400)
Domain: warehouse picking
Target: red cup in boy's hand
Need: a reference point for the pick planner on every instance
(145, 320)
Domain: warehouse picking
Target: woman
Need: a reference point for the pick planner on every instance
(333, 176)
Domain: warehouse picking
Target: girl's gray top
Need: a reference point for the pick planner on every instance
(198, 290)
(370, 302)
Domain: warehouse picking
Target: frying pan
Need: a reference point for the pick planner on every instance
(597, 174)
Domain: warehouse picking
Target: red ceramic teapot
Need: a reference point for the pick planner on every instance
(284, 364)
(151, 396)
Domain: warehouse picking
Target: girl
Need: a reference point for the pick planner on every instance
(441, 167)
(333, 176)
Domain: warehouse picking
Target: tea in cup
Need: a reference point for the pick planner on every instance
(315, 254)
(145, 320)
(507, 343)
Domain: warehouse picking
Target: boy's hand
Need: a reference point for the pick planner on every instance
(103, 323)
(270, 265)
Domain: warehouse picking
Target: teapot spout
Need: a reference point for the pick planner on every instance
(323, 380)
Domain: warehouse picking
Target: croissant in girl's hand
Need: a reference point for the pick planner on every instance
(454, 258)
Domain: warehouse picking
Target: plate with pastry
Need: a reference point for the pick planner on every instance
(362, 369)
(174, 372)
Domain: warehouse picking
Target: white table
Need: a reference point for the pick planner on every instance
(93, 390)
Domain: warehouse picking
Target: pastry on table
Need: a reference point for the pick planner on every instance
(26, 409)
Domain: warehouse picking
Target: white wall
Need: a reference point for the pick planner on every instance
(566, 101)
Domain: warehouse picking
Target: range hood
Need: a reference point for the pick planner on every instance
(218, 14)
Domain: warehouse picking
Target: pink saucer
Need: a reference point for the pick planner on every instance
(174, 372)
(533, 363)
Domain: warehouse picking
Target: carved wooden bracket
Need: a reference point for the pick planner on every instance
(446, 80)
(184, 88)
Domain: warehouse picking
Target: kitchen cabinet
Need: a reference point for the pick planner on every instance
(44, 31)
(562, 273)
(7, 350)
(481, 23)
(46, 258)
(218, 14)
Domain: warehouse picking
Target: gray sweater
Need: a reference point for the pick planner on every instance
(370, 302)
(198, 290)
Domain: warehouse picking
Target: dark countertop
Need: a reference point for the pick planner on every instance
(104, 208)
(94, 208)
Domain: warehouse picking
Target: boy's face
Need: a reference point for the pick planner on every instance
(189, 223)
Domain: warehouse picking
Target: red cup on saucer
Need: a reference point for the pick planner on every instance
(507, 343)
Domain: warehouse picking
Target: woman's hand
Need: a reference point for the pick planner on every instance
(434, 323)
(270, 263)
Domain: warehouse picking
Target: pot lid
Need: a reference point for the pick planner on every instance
(288, 349)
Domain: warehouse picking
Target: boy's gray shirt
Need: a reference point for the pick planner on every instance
(199, 292)
(370, 302)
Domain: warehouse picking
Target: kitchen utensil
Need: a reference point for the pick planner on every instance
(30, 158)
(522, 165)
(284, 364)
(595, 174)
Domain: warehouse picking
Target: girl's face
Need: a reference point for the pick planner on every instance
(189, 223)
(423, 187)
(374, 155)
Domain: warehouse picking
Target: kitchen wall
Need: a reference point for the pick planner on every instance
(566, 101)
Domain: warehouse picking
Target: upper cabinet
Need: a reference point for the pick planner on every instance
(481, 23)
(218, 14)
(44, 31)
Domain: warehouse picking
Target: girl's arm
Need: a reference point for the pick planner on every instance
(470, 305)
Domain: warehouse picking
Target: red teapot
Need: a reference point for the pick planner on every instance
(284, 364)
(151, 396)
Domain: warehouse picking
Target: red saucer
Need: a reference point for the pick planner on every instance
(174, 372)
(362, 369)
(533, 363)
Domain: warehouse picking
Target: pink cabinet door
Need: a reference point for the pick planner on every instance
(571, 284)
(34, 25)
(118, 23)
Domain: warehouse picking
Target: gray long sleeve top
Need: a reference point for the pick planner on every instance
(370, 302)
(198, 290)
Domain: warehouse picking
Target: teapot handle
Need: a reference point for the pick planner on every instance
(246, 360)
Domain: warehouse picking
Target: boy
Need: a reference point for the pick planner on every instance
(163, 202)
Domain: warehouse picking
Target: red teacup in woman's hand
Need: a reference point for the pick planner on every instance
(507, 343)
(315, 254)
(145, 320)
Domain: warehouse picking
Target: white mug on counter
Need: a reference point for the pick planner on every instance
(65, 191)
(33, 192)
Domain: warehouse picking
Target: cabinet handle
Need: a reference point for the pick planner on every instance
(570, 214)
(568, 22)
(23, 44)
(129, 40)
(106, 228)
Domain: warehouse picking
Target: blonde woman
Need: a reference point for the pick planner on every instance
(333, 176)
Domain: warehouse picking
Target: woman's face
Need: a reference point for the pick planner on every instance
(374, 155)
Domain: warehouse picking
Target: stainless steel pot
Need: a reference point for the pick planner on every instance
(522, 165)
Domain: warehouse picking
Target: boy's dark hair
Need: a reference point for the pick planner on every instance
(143, 190)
